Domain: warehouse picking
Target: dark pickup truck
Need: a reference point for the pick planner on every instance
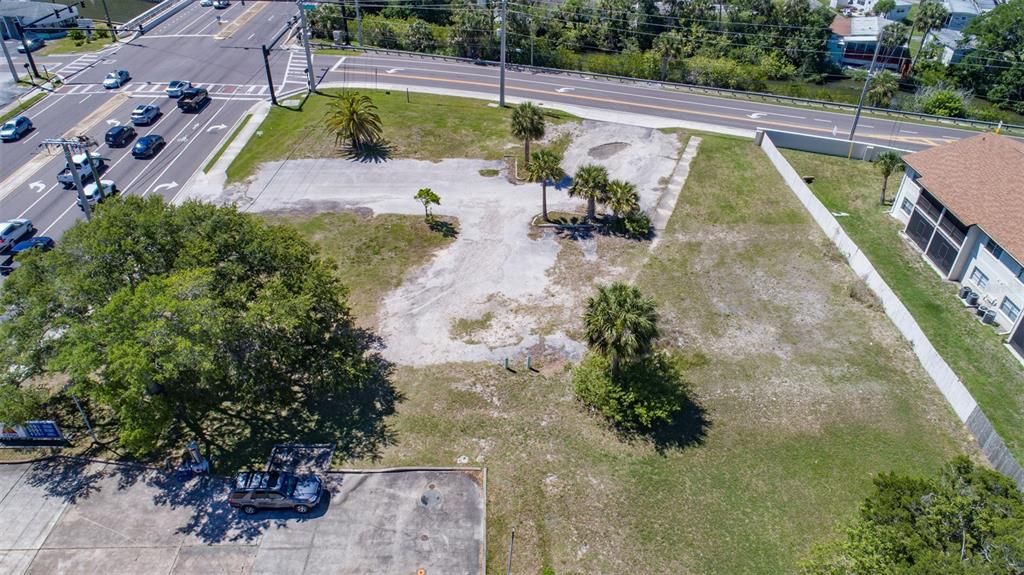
(193, 99)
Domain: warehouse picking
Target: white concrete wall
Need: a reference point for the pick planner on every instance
(963, 404)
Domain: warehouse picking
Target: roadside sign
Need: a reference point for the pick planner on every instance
(42, 432)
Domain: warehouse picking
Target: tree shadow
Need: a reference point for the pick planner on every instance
(376, 152)
(67, 479)
(445, 228)
(688, 428)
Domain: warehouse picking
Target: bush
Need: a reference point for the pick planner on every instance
(637, 224)
(776, 67)
(644, 394)
(379, 32)
(76, 36)
(946, 103)
(724, 73)
(985, 114)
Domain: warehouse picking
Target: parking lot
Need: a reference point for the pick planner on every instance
(68, 516)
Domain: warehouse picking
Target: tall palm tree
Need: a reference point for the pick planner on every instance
(545, 166)
(620, 323)
(353, 117)
(622, 198)
(888, 163)
(931, 14)
(527, 124)
(591, 184)
(883, 87)
(668, 46)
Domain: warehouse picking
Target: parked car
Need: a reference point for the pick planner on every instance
(145, 114)
(176, 87)
(206, 2)
(13, 230)
(255, 490)
(116, 79)
(221, 4)
(94, 193)
(81, 165)
(119, 136)
(15, 128)
(148, 146)
(33, 44)
(193, 99)
(37, 243)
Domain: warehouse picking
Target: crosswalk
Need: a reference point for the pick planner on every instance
(81, 63)
(295, 72)
(142, 89)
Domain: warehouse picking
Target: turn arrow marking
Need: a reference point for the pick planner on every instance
(757, 115)
(564, 90)
(113, 122)
(37, 187)
(215, 128)
(169, 186)
(393, 70)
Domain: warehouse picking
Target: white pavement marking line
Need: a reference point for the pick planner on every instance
(907, 131)
(113, 122)
(271, 19)
(59, 218)
(82, 101)
(867, 126)
(337, 64)
(169, 186)
(564, 90)
(250, 36)
(180, 152)
(212, 129)
(39, 199)
(757, 115)
(37, 186)
(393, 70)
(183, 28)
(821, 120)
(55, 97)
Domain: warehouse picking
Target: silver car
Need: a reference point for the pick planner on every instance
(116, 79)
(13, 230)
(254, 490)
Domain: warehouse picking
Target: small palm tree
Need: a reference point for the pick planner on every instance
(620, 323)
(622, 198)
(545, 166)
(888, 163)
(883, 87)
(527, 125)
(668, 46)
(591, 184)
(353, 117)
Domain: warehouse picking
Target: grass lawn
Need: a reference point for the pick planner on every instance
(66, 45)
(427, 127)
(803, 392)
(20, 108)
(974, 351)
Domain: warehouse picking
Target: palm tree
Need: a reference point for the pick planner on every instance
(545, 166)
(887, 162)
(930, 15)
(527, 124)
(353, 117)
(620, 323)
(668, 46)
(622, 198)
(883, 87)
(591, 184)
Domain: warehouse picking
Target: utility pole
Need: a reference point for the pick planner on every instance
(310, 78)
(359, 24)
(864, 90)
(270, 80)
(501, 79)
(10, 63)
(24, 44)
(110, 23)
(76, 144)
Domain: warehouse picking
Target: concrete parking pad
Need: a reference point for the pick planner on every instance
(69, 516)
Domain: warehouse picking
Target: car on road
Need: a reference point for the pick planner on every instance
(94, 193)
(119, 136)
(116, 79)
(221, 4)
(12, 231)
(254, 490)
(148, 146)
(145, 114)
(81, 165)
(176, 87)
(33, 44)
(193, 100)
(39, 242)
(15, 128)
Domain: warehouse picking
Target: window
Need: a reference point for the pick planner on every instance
(993, 248)
(906, 206)
(1010, 309)
(978, 277)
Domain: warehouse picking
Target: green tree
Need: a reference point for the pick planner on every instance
(883, 88)
(883, 7)
(527, 124)
(591, 184)
(545, 166)
(419, 37)
(944, 102)
(427, 197)
(995, 69)
(620, 323)
(968, 520)
(931, 14)
(639, 397)
(668, 46)
(195, 321)
(888, 163)
(353, 117)
(622, 198)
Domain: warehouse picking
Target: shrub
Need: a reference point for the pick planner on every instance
(637, 224)
(76, 36)
(724, 73)
(776, 67)
(645, 394)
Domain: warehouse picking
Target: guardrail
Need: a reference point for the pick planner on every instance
(132, 26)
(708, 90)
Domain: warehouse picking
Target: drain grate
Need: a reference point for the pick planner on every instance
(431, 498)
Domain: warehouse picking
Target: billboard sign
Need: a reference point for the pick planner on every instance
(42, 432)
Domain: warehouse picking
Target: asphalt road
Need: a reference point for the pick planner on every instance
(225, 58)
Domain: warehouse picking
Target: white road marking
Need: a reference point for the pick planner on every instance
(59, 218)
(821, 120)
(564, 90)
(182, 151)
(250, 36)
(55, 97)
(82, 101)
(169, 186)
(212, 129)
(907, 131)
(37, 186)
(757, 115)
(39, 199)
(334, 68)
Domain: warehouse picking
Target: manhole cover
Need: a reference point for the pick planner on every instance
(431, 498)
(424, 537)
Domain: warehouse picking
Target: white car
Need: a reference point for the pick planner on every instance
(116, 79)
(94, 194)
(13, 230)
(206, 2)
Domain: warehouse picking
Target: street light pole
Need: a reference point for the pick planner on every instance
(10, 63)
(504, 26)
(864, 90)
(66, 145)
(310, 78)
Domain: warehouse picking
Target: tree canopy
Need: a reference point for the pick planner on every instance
(195, 321)
(967, 520)
(353, 117)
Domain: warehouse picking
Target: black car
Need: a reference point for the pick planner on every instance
(33, 45)
(37, 243)
(148, 146)
(193, 100)
(119, 136)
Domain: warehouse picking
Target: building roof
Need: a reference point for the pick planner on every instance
(981, 180)
(951, 38)
(29, 11)
(859, 28)
(986, 5)
(961, 6)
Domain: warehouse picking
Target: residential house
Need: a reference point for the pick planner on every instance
(900, 12)
(962, 205)
(952, 44)
(43, 14)
(963, 11)
(853, 42)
